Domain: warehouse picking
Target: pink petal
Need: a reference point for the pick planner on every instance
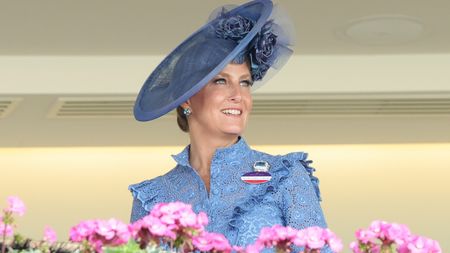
(15, 205)
(49, 235)
(8, 231)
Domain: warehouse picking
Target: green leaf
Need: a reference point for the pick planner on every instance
(131, 247)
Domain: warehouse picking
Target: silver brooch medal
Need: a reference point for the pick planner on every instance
(259, 175)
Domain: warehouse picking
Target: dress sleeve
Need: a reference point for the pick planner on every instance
(145, 196)
(300, 194)
(137, 210)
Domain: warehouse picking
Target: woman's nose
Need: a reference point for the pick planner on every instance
(235, 93)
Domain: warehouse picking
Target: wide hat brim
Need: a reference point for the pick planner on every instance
(160, 95)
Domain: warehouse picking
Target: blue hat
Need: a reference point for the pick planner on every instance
(245, 32)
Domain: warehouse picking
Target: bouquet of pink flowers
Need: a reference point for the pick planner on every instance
(99, 233)
(311, 239)
(172, 223)
(175, 227)
(16, 206)
(385, 237)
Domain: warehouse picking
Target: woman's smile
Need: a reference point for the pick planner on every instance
(223, 105)
(232, 112)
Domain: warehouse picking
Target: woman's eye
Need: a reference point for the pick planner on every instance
(247, 83)
(220, 81)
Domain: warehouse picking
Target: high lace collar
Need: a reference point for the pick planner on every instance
(225, 155)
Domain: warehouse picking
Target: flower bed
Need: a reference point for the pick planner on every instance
(174, 227)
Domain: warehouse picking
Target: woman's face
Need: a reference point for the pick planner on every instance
(222, 107)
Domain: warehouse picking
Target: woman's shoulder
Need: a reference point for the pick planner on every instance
(291, 169)
(157, 182)
(148, 190)
(291, 161)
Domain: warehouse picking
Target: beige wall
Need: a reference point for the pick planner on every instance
(359, 183)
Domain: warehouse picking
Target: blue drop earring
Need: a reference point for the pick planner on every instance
(187, 111)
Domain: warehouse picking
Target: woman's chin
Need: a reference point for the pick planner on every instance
(233, 130)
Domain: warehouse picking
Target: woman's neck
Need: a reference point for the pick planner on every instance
(202, 150)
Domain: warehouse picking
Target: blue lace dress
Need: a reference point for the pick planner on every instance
(234, 208)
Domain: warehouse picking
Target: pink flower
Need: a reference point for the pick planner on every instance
(49, 235)
(382, 233)
(277, 236)
(202, 219)
(254, 248)
(104, 230)
(15, 205)
(332, 240)
(354, 246)
(397, 233)
(375, 248)
(5, 229)
(420, 244)
(158, 228)
(279, 232)
(82, 231)
(238, 249)
(202, 242)
(365, 236)
(188, 218)
(112, 232)
(380, 228)
(101, 233)
(220, 242)
(211, 242)
(266, 235)
(283, 237)
(172, 220)
(300, 238)
(314, 238)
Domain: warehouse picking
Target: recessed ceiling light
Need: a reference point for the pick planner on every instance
(382, 30)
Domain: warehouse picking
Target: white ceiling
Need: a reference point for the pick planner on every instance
(148, 27)
(63, 48)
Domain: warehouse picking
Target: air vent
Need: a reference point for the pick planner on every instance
(92, 107)
(7, 105)
(273, 105)
(370, 104)
(352, 107)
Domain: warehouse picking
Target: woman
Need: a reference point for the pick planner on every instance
(209, 79)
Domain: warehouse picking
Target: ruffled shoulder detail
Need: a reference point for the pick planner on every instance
(282, 170)
(146, 192)
(292, 159)
(279, 174)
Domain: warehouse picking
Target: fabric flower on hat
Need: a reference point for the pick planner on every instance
(234, 28)
(261, 50)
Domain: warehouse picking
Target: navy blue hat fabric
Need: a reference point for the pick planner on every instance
(230, 37)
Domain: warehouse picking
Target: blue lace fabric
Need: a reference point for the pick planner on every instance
(234, 208)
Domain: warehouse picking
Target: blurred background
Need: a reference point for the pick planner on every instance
(366, 94)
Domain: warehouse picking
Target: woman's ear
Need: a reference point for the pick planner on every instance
(186, 104)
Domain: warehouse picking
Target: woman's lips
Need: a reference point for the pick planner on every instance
(232, 112)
